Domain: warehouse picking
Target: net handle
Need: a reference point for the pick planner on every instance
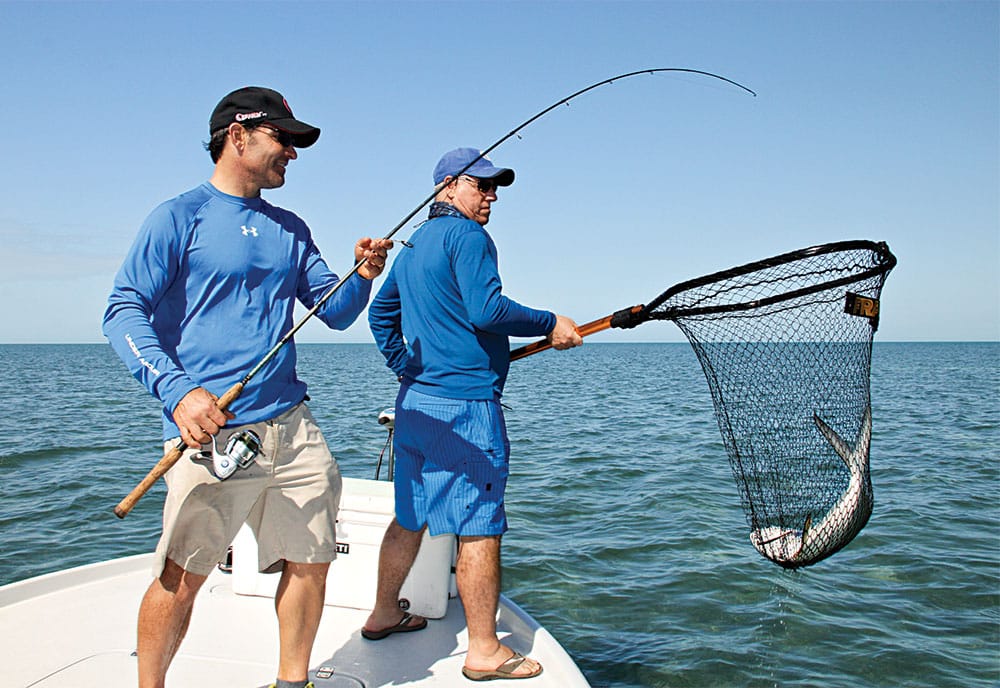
(636, 315)
(593, 327)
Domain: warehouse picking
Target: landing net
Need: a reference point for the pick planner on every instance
(785, 345)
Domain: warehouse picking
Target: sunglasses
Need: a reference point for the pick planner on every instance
(484, 185)
(283, 138)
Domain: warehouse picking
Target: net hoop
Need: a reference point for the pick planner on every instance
(883, 262)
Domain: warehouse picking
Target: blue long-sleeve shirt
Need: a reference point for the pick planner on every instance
(441, 319)
(208, 288)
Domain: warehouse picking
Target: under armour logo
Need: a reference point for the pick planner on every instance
(248, 231)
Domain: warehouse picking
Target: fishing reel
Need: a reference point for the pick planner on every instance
(241, 450)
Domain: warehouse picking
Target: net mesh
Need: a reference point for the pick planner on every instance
(788, 368)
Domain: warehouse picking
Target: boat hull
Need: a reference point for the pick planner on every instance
(77, 628)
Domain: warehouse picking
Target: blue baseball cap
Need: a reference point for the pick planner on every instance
(453, 162)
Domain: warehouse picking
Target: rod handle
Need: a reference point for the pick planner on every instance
(231, 395)
(161, 467)
(169, 459)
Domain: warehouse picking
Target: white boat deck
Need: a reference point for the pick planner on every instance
(76, 629)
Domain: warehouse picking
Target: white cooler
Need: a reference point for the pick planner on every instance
(366, 509)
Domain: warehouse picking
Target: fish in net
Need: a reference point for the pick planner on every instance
(786, 346)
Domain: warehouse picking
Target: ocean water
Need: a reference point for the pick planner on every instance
(627, 539)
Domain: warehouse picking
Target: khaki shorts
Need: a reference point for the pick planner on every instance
(289, 497)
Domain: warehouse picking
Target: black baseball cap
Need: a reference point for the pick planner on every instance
(259, 105)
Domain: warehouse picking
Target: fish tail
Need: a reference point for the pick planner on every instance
(805, 531)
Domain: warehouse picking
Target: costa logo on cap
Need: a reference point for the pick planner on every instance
(240, 117)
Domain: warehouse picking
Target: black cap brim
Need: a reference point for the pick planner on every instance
(303, 135)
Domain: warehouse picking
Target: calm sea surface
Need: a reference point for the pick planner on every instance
(627, 540)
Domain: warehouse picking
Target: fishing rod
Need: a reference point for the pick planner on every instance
(172, 456)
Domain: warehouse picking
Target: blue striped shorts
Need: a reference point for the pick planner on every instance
(452, 461)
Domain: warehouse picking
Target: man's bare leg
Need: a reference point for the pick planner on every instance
(299, 606)
(478, 577)
(164, 616)
(398, 552)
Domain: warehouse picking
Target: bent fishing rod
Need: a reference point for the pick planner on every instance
(172, 456)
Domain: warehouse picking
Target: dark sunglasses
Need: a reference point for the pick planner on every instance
(484, 185)
(283, 138)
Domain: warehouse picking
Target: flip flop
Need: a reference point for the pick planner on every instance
(504, 671)
(402, 627)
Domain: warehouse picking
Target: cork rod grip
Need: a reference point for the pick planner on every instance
(168, 460)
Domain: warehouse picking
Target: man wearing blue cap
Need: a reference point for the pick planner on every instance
(442, 323)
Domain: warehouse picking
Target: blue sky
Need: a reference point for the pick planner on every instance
(874, 120)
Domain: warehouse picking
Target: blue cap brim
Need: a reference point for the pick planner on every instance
(484, 169)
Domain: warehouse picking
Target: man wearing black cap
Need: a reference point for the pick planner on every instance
(442, 323)
(207, 289)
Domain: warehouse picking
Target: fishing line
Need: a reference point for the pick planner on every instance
(171, 457)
